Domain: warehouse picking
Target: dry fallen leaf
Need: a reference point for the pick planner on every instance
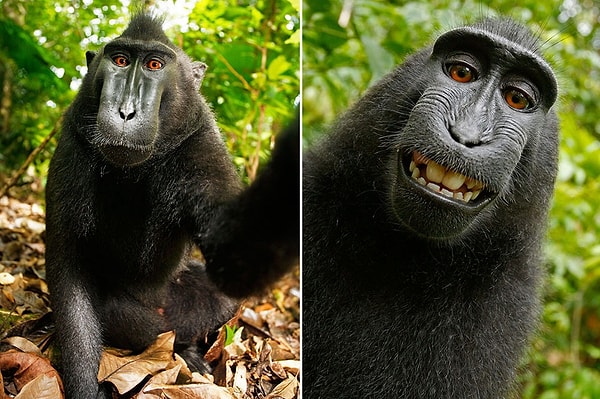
(167, 377)
(240, 382)
(204, 391)
(125, 373)
(23, 344)
(6, 278)
(287, 389)
(25, 367)
(270, 333)
(216, 349)
(291, 366)
(43, 387)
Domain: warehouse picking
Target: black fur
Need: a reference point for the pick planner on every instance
(408, 294)
(126, 199)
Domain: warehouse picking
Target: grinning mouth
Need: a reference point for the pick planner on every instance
(443, 181)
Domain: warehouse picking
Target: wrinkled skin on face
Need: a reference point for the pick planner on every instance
(137, 84)
(461, 147)
(132, 89)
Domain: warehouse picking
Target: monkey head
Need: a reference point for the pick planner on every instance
(138, 85)
(481, 101)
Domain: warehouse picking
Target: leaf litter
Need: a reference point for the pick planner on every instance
(257, 355)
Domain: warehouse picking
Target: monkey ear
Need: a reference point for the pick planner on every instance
(89, 57)
(198, 71)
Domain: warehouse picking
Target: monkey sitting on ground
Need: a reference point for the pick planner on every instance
(424, 215)
(139, 175)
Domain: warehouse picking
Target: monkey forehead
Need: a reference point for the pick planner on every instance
(521, 46)
(133, 46)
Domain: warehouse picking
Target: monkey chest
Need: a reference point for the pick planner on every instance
(135, 235)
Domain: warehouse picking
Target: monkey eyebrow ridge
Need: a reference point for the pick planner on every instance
(517, 50)
(138, 46)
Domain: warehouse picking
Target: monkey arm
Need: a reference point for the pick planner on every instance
(76, 318)
(76, 322)
(254, 239)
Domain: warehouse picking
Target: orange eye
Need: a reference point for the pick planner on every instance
(154, 64)
(120, 60)
(516, 99)
(461, 73)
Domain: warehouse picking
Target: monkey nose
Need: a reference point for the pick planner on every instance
(127, 112)
(465, 133)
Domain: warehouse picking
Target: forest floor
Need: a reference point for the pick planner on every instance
(259, 360)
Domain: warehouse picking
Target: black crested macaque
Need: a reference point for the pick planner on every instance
(424, 214)
(141, 174)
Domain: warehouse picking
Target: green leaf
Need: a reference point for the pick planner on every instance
(277, 67)
(229, 334)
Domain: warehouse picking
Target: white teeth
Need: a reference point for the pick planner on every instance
(416, 173)
(433, 186)
(470, 183)
(453, 180)
(443, 181)
(435, 172)
(447, 193)
(466, 197)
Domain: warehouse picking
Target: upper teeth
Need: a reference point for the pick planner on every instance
(443, 180)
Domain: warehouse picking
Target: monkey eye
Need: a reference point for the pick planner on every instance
(154, 64)
(460, 72)
(120, 60)
(517, 99)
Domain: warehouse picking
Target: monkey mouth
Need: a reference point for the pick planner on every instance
(445, 182)
(120, 155)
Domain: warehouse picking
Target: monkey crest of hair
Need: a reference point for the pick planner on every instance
(144, 25)
(140, 175)
(424, 214)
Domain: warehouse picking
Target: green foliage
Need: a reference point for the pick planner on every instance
(347, 49)
(39, 62)
(252, 50)
(230, 333)
(251, 47)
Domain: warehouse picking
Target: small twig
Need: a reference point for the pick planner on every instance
(15, 176)
(576, 328)
(235, 73)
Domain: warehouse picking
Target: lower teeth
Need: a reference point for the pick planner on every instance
(458, 195)
(439, 188)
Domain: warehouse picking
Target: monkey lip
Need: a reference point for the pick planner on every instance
(126, 155)
(444, 182)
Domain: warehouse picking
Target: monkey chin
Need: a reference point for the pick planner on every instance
(435, 202)
(126, 156)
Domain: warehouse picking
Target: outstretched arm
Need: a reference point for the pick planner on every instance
(255, 239)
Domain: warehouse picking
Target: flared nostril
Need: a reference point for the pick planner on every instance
(469, 136)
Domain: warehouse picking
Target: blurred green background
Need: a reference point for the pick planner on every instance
(347, 45)
(251, 48)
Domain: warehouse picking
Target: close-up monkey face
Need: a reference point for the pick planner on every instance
(482, 102)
